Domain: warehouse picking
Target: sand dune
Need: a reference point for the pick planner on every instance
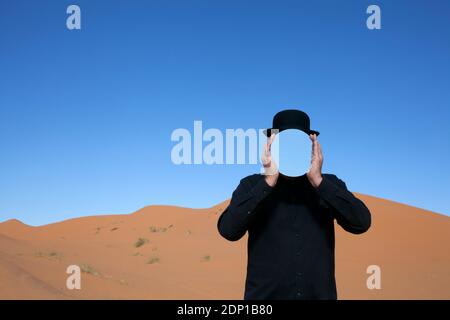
(165, 252)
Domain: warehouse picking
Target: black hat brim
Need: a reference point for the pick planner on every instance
(268, 132)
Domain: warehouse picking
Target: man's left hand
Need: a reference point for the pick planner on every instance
(315, 170)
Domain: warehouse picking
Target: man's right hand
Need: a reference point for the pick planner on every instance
(270, 167)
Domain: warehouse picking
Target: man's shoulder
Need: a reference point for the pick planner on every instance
(334, 178)
(330, 176)
(253, 178)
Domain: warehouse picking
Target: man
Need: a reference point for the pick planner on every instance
(290, 222)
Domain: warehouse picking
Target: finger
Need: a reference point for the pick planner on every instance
(269, 144)
(272, 137)
(316, 150)
(319, 147)
(266, 150)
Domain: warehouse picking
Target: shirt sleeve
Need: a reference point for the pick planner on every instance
(350, 212)
(235, 220)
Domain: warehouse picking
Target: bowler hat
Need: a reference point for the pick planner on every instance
(290, 119)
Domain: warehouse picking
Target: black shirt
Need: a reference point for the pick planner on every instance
(291, 233)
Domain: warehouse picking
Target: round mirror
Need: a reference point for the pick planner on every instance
(293, 154)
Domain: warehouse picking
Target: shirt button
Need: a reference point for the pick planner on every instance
(299, 294)
(298, 253)
(299, 274)
(248, 212)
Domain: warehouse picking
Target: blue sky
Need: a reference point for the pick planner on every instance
(86, 115)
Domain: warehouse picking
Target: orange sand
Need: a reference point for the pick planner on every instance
(191, 261)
